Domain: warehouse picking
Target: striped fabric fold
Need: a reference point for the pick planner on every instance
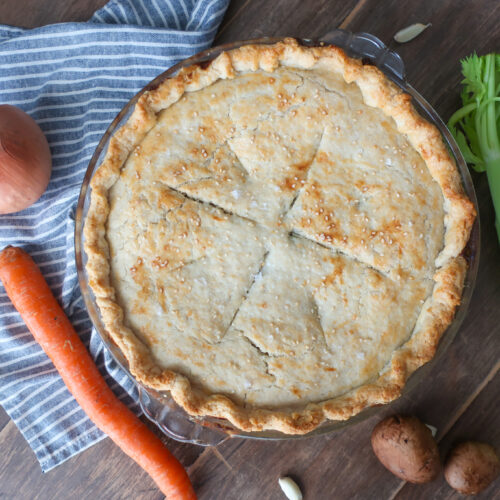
(73, 79)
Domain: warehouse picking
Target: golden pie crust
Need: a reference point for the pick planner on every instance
(275, 237)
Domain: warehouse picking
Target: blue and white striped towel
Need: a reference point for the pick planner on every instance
(73, 78)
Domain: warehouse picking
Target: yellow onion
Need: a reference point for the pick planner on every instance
(25, 161)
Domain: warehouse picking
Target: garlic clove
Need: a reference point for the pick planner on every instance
(290, 488)
(432, 429)
(410, 32)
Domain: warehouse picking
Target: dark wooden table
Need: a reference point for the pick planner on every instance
(460, 394)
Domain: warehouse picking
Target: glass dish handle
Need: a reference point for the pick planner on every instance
(175, 423)
(371, 47)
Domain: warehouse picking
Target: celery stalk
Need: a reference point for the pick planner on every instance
(476, 126)
(493, 173)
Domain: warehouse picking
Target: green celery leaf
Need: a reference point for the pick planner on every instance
(476, 162)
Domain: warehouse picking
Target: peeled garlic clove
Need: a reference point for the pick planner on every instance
(432, 429)
(290, 488)
(410, 32)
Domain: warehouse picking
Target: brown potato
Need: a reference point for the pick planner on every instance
(471, 467)
(406, 447)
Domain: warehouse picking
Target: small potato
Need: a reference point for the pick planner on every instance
(406, 447)
(471, 467)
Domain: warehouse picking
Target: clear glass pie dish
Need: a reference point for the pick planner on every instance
(160, 407)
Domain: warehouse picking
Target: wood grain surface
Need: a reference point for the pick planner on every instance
(459, 393)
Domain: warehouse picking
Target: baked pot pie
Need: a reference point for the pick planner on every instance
(275, 237)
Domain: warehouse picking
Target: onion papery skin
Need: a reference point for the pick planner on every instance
(25, 160)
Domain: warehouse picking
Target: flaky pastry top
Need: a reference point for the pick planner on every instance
(275, 237)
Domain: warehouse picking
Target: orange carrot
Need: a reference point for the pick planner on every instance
(51, 328)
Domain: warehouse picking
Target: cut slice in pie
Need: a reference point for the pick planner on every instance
(275, 238)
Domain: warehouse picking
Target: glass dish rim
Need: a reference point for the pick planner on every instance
(214, 431)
